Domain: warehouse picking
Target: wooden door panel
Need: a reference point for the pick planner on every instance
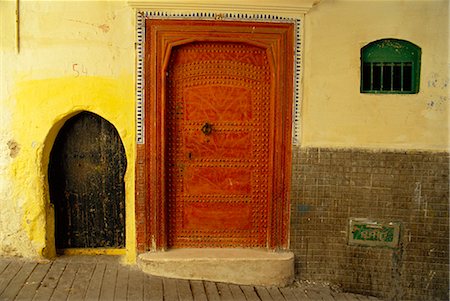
(217, 180)
(223, 57)
(209, 216)
(217, 146)
(235, 100)
(218, 103)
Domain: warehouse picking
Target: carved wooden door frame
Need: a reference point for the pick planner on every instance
(161, 37)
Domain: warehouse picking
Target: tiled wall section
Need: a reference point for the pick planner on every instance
(330, 186)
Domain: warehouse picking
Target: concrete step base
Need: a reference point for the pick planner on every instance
(239, 266)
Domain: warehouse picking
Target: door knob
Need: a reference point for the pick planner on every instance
(207, 129)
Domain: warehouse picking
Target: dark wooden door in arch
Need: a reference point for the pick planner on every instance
(86, 179)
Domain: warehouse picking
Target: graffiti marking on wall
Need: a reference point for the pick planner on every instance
(372, 233)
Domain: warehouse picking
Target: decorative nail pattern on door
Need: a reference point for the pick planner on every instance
(218, 130)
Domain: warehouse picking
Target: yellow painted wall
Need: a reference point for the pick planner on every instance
(79, 55)
(336, 114)
(73, 57)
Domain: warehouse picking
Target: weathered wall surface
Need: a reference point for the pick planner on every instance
(73, 57)
(336, 114)
(411, 188)
(77, 56)
(380, 157)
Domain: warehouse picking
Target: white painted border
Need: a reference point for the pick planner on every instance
(142, 15)
(283, 8)
(140, 82)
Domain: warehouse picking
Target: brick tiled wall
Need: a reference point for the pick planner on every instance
(330, 186)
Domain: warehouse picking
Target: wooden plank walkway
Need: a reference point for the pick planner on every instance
(104, 278)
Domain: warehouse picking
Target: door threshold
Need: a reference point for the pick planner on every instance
(91, 251)
(239, 266)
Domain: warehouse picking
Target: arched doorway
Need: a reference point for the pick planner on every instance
(216, 159)
(86, 180)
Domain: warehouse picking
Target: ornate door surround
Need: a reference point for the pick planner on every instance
(162, 36)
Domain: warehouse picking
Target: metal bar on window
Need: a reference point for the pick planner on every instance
(401, 76)
(392, 76)
(381, 76)
(371, 76)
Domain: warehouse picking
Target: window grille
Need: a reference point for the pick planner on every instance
(390, 66)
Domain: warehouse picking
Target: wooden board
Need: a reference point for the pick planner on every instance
(153, 289)
(109, 282)
(122, 283)
(184, 290)
(18, 281)
(198, 290)
(250, 293)
(212, 291)
(49, 283)
(135, 285)
(94, 288)
(62, 290)
(32, 283)
(170, 289)
(9, 272)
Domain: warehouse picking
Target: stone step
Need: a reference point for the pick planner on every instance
(238, 266)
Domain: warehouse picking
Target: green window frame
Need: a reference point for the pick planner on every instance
(390, 66)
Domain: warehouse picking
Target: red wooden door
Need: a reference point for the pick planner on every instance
(215, 167)
(218, 132)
